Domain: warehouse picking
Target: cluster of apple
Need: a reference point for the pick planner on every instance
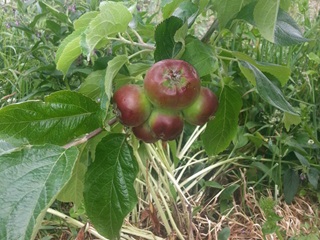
(171, 94)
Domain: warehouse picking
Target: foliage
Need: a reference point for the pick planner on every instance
(60, 65)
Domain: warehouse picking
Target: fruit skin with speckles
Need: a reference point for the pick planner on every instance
(131, 105)
(165, 124)
(144, 133)
(204, 107)
(172, 84)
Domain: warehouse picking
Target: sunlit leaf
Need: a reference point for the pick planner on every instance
(68, 51)
(84, 20)
(289, 120)
(113, 18)
(227, 10)
(265, 17)
(63, 116)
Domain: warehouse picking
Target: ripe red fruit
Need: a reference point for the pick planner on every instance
(165, 124)
(131, 105)
(172, 84)
(144, 133)
(203, 108)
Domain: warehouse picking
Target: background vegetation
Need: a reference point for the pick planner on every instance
(263, 185)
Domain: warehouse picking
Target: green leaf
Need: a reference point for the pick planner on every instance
(222, 129)
(179, 37)
(268, 91)
(287, 31)
(166, 46)
(68, 51)
(31, 178)
(213, 184)
(84, 20)
(270, 225)
(113, 18)
(227, 10)
(224, 234)
(304, 162)
(282, 73)
(5, 147)
(289, 120)
(113, 68)
(291, 181)
(109, 194)
(92, 85)
(227, 193)
(73, 190)
(200, 55)
(313, 177)
(314, 57)
(59, 15)
(285, 4)
(63, 116)
(265, 17)
(168, 7)
(187, 11)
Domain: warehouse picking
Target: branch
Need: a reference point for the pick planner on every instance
(89, 135)
(210, 31)
(138, 44)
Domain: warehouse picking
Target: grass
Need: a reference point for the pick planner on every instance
(181, 190)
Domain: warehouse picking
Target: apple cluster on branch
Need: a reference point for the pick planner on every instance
(171, 94)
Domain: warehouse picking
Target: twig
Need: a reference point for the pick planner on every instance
(90, 135)
(84, 139)
(142, 45)
(8, 96)
(75, 223)
(210, 31)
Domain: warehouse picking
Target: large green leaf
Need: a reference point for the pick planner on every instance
(84, 20)
(63, 116)
(268, 91)
(113, 18)
(200, 55)
(222, 129)
(109, 194)
(166, 46)
(31, 178)
(265, 16)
